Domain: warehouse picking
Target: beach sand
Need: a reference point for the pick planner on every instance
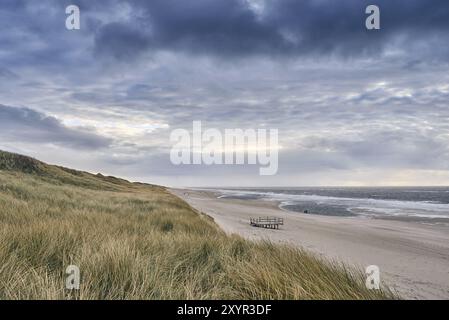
(413, 257)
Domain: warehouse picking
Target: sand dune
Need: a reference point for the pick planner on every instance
(413, 257)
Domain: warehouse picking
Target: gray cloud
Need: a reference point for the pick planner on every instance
(405, 148)
(7, 74)
(27, 125)
(345, 100)
(231, 28)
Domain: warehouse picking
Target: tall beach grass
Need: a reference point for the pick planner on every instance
(138, 241)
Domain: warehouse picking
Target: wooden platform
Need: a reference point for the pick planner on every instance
(266, 222)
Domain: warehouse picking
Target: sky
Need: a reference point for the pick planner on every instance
(353, 107)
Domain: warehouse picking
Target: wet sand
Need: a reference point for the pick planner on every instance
(413, 257)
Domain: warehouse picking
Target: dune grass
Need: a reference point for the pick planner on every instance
(137, 241)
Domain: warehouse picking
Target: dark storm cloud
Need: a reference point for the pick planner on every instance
(215, 27)
(229, 28)
(222, 28)
(6, 74)
(27, 125)
(122, 41)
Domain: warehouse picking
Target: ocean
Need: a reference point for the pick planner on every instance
(419, 203)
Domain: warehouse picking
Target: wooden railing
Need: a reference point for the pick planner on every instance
(267, 222)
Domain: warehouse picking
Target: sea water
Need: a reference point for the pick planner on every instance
(381, 202)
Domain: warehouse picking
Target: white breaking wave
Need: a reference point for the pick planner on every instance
(360, 206)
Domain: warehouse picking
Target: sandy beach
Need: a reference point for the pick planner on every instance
(413, 257)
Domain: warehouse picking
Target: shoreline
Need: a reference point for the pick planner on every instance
(413, 257)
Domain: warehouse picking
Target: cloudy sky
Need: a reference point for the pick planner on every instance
(352, 106)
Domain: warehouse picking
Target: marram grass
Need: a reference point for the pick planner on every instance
(137, 241)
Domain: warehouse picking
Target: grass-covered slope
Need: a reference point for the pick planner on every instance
(137, 241)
